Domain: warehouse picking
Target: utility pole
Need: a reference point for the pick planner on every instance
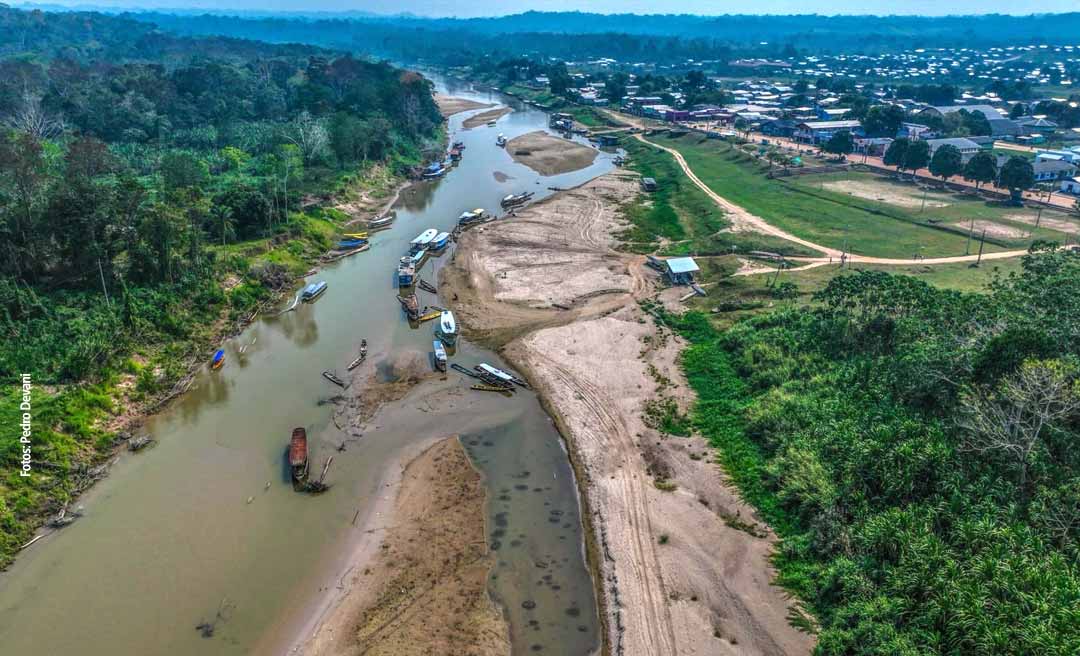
(923, 207)
(982, 241)
(971, 231)
(101, 272)
(1038, 217)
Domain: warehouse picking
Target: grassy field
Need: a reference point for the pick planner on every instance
(541, 97)
(810, 207)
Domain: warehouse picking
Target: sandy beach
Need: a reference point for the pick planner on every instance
(549, 155)
(683, 564)
(483, 117)
(449, 105)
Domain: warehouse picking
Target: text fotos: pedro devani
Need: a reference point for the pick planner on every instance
(24, 440)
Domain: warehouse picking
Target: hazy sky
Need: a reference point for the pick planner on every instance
(465, 8)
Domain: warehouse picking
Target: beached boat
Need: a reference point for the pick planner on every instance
(447, 329)
(333, 378)
(423, 240)
(411, 306)
(298, 455)
(436, 170)
(313, 291)
(491, 124)
(485, 368)
(513, 200)
(430, 316)
(440, 241)
(426, 286)
(349, 244)
(500, 140)
(440, 355)
(355, 235)
(406, 272)
(455, 155)
(381, 222)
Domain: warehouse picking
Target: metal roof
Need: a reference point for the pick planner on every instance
(682, 265)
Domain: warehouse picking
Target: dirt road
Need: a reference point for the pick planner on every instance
(677, 578)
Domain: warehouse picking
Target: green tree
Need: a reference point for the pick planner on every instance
(981, 168)
(946, 162)
(883, 120)
(840, 144)
(917, 155)
(896, 153)
(1017, 175)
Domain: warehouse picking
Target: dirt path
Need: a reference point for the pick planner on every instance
(676, 577)
(738, 215)
(425, 592)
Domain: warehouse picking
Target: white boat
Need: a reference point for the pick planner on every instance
(498, 373)
(440, 355)
(422, 240)
(447, 330)
(434, 171)
(381, 222)
(500, 140)
(440, 241)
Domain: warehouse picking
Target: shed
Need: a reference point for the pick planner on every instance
(648, 184)
(681, 270)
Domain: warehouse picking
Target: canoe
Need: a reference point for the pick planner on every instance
(348, 244)
(355, 235)
(219, 360)
(429, 316)
(313, 291)
(332, 377)
(298, 455)
(440, 355)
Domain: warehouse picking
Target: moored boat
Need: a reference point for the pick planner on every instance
(440, 241)
(411, 306)
(513, 200)
(422, 240)
(360, 358)
(333, 378)
(499, 374)
(381, 222)
(436, 170)
(440, 355)
(500, 140)
(471, 216)
(455, 154)
(298, 455)
(447, 328)
(406, 272)
(313, 291)
(349, 244)
(219, 360)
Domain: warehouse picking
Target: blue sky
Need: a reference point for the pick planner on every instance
(465, 8)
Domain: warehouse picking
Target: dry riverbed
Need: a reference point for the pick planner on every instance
(549, 155)
(484, 117)
(449, 105)
(683, 564)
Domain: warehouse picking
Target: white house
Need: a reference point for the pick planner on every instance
(967, 147)
(1071, 186)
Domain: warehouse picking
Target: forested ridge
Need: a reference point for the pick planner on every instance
(152, 195)
(915, 448)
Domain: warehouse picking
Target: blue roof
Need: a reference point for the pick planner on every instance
(682, 265)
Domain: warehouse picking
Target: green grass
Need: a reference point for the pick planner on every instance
(832, 219)
(591, 118)
(542, 97)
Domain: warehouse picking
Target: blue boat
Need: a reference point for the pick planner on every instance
(349, 244)
(406, 272)
(440, 241)
(435, 170)
(219, 360)
(313, 291)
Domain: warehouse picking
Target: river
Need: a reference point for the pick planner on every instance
(206, 520)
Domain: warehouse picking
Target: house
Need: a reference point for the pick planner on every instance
(680, 270)
(676, 115)
(991, 113)
(1071, 186)
(781, 127)
(875, 147)
(1031, 125)
(1070, 155)
(1049, 170)
(831, 113)
(915, 131)
(967, 147)
(816, 132)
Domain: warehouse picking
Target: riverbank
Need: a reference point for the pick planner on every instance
(449, 105)
(549, 155)
(423, 590)
(681, 565)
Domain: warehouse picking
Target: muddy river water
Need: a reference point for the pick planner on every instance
(206, 524)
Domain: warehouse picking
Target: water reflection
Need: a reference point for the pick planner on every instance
(299, 326)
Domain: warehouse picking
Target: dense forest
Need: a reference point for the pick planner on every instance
(151, 186)
(915, 449)
(657, 39)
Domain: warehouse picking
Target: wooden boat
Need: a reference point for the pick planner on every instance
(499, 374)
(349, 244)
(383, 222)
(429, 316)
(426, 286)
(313, 291)
(491, 124)
(492, 388)
(218, 361)
(440, 241)
(447, 330)
(406, 272)
(298, 455)
(355, 235)
(411, 306)
(457, 367)
(140, 443)
(423, 240)
(500, 140)
(332, 377)
(513, 200)
(360, 358)
(440, 355)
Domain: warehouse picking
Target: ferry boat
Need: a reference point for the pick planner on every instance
(436, 170)
(218, 361)
(422, 240)
(447, 329)
(298, 455)
(500, 140)
(440, 241)
(406, 272)
(440, 355)
(313, 291)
